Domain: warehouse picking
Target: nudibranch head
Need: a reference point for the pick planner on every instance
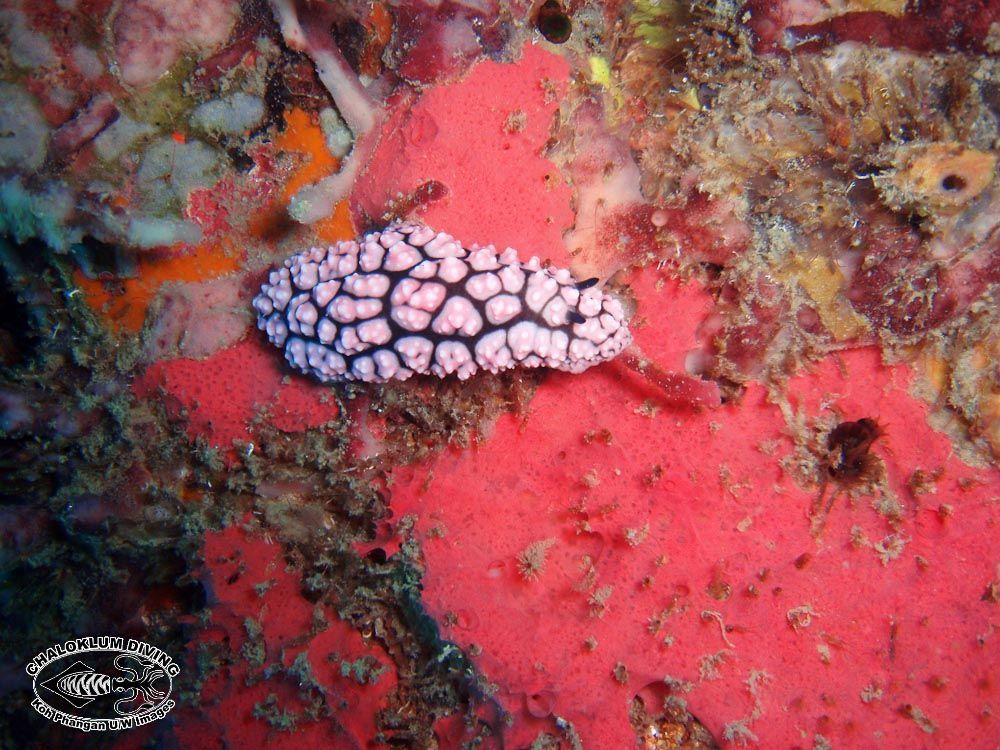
(409, 300)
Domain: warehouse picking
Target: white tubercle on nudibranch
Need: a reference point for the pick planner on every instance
(409, 300)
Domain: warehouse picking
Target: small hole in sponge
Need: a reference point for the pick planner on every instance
(952, 182)
(553, 23)
(540, 704)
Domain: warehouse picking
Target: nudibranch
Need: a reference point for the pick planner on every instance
(408, 300)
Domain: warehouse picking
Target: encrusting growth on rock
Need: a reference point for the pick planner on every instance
(531, 560)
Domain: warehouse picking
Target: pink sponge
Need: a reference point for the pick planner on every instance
(258, 614)
(603, 548)
(483, 139)
(221, 395)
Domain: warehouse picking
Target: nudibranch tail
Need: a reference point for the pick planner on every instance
(408, 300)
(675, 388)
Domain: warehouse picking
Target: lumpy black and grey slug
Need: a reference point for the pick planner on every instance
(408, 300)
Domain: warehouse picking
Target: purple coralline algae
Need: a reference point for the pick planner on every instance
(409, 300)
